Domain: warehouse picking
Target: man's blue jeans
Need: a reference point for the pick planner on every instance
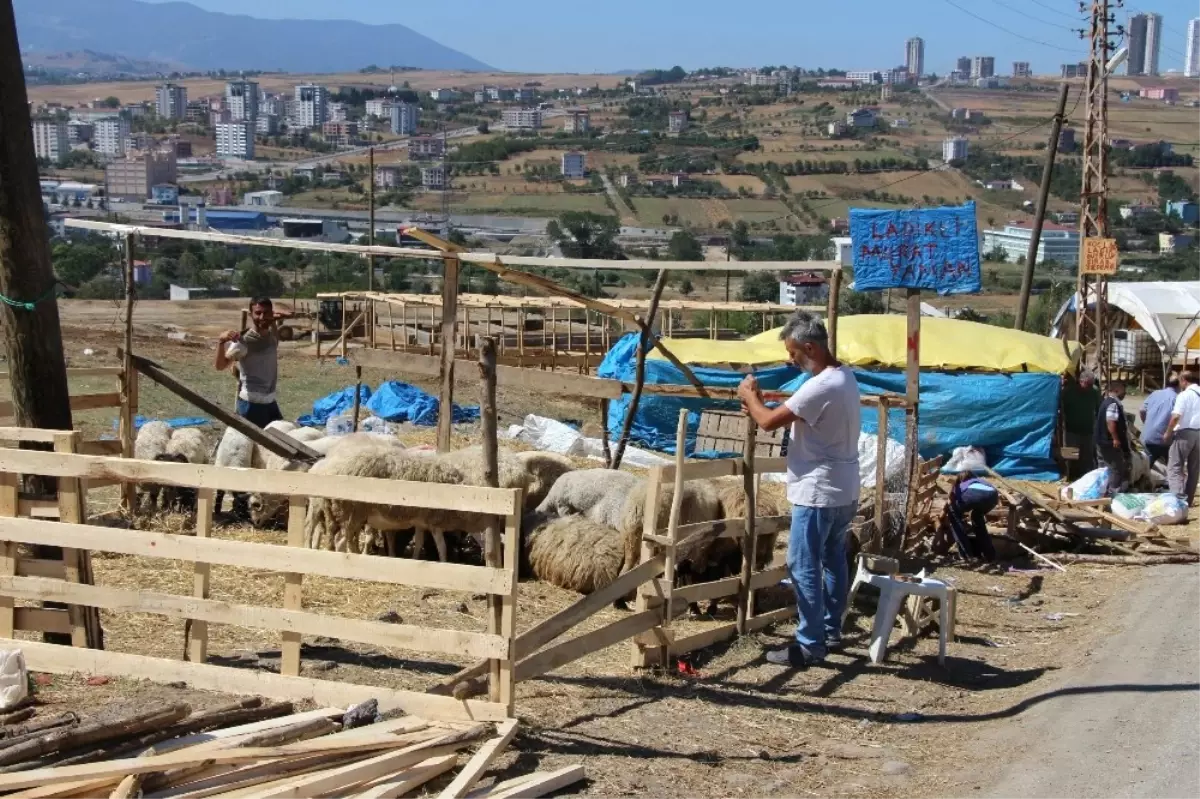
(816, 561)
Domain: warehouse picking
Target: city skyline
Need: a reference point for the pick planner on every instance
(633, 35)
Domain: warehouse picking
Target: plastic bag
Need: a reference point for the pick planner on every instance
(1091, 486)
(965, 459)
(1151, 508)
(339, 425)
(14, 678)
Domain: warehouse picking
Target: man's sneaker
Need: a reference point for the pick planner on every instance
(793, 657)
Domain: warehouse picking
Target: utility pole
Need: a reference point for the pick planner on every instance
(1044, 194)
(371, 218)
(29, 314)
(1093, 197)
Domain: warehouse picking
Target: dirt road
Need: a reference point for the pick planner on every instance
(1126, 722)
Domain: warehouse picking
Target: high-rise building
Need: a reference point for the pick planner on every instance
(1021, 69)
(914, 57)
(1153, 42)
(50, 140)
(983, 66)
(405, 117)
(235, 139)
(170, 101)
(963, 65)
(241, 100)
(1191, 63)
(954, 149)
(109, 136)
(311, 105)
(133, 178)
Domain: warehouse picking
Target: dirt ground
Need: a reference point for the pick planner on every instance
(729, 725)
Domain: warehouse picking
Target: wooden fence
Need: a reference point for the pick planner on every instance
(31, 580)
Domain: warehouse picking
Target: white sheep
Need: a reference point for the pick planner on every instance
(598, 494)
(187, 445)
(265, 509)
(152, 439)
(234, 451)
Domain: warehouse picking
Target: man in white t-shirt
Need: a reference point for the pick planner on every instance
(1183, 436)
(822, 484)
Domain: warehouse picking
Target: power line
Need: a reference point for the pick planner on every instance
(1027, 15)
(1077, 18)
(1009, 31)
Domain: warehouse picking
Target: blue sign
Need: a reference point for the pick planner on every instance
(925, 248)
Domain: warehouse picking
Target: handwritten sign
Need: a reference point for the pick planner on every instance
(1099, 257)
(925, 248)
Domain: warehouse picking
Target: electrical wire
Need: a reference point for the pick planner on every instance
(1075, 17)
(1027, 15)
(1009, 31)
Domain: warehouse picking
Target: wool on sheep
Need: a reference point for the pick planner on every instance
(575, 553)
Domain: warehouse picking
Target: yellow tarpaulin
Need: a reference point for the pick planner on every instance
(877, 339)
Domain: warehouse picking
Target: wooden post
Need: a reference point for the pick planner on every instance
(293, 586)
(831, 313)
(77, 563)
(392, 325)
(446, 373)
(1040, 214)
(129, 378)
(745, 606)
(672, 534)
(10, 493)
(501, 610)
(357, 397)
(345, 329)
(881, 437)
(196, 645)
(587, 341)
(371, 231)
(654, 483)
(30, 327)
(639, 369)
(912, 394)
(604, 437)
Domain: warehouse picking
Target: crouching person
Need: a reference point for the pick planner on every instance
(970, 501)
(822, 484)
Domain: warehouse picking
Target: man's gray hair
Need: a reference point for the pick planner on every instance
(803, 326)
(1086, 376)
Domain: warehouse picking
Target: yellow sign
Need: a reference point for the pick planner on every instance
(1099, 257)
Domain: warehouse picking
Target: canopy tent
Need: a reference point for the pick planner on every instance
(1168, 311)
(980, 386)
(879, 340)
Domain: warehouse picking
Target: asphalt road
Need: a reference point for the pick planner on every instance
(1126, 723)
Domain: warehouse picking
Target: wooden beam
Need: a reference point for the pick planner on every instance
(482, 259)
(448, 576)
(468, 499)
(446, 366)
(57, 659)
(291, 448)
(410, 779)
(480, 761)
(79, 402)
(569, 651)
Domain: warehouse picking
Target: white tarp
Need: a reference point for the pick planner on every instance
(1168, 310)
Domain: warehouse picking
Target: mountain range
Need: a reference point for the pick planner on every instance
(181, 33)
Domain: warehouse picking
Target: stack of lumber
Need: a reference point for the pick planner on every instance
(252, 748)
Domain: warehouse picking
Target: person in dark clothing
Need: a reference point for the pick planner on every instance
(970, 501)
(1080, 404)
(1112, 438)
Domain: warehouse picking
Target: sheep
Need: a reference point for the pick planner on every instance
(336, 524)
(699, 503)
(236, 451)
(187, 445)
(265, 508)
(583, 489)
(151, 441)
(545, 469)
(575, 553)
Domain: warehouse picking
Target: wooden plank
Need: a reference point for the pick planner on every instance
(100, 447)
(79, 402)
(66, 660)
(40, 567)
(410, 779)
(449, 576)
(772, 617)
(569, 651)
(768, 577)
(401, 636)
(469, 499)
(43, 620)
(541, 784)
(700, 592)
(71, 511)
(292, 586)
(81, 371)
(197, 644)
(480, 762)
(690, 643)
(446, 364)
(654, 483)
(10, 504)
(705, 470)
(745, 600)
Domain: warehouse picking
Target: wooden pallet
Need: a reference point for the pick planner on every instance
(725, 431)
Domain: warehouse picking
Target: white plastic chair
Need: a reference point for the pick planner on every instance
(892, 595)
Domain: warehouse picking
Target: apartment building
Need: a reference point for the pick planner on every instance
(389, 176)
(578, 121)
(134, 178)
(677, 121)
(380, 107)
(1191, 61)
(914, 57)
(433, 177)
(867, 76)
(574, 165)
(170, 101)
(266, 124)
(1021, 69)
(241, 100)
(963, 65)
(336, 112)
(79, 132)
(235, 140)
(340, 134)
(954, 149)
(50, 140)
(312, 105)
(405, 118)
(983, 66)
(424, 148)
(109, 136)
(197, 111)
(1058, 243)
(522, 118)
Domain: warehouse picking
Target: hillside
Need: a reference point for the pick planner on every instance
(181, 33)
(92, 63)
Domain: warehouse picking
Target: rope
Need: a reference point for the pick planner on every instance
(29, 306)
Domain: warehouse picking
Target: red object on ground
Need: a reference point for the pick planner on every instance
(43, 679)
(98, 680)
(686, 668)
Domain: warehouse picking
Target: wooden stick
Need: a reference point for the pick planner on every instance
(639, 380)
(541, 784)
(881, 438)
(1040, 557)
(446, 378)
(480, 762)
(745, 608)
(410, 779)
(94, 732)
(357, 399)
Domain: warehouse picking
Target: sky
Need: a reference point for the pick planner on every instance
(558, 36)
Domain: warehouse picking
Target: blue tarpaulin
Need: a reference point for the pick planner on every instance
(1010, 416)
(923, 248)
(393, 402)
